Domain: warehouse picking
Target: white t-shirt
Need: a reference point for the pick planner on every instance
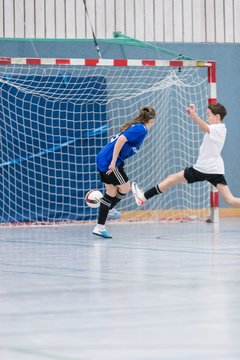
(209, 159)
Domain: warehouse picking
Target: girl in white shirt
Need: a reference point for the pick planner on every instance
(209, 165)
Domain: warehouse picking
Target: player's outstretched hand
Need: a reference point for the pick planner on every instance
(191, 110)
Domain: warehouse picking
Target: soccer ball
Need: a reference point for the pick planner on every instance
(93, 197)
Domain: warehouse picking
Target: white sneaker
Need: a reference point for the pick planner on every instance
(138, 194)
(102, 232)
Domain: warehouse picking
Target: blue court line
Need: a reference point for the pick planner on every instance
(86, 134)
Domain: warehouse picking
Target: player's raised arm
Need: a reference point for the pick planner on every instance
(191, 110)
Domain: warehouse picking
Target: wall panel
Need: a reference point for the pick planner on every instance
(30, 17)
(19, 18)
(60, 19)
(40, 18)
(210, 21)
(148, 20)
(229, 21)
(8, 14)
(177, 21)
(187, 21)
(71, 19)
(50, 19)
(110, 17)
(139, 19)
(1, 17)
(119, 15)
(130, 18)
(91, 6)
(168, 21)
(80, 19)
(158, 21)
(100, 19)
(220, 24)
(198, 17)
(236, 21)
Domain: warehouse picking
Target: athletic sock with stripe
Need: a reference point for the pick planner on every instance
(152, 192)
(105, 204)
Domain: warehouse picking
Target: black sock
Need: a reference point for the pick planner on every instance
(152, 192)
(116, 200)
(105, 204)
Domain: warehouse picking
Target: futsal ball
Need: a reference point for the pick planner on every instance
(93, 197)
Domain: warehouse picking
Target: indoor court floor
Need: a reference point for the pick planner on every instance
(156, 291)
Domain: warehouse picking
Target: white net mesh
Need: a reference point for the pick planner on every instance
(55, 119)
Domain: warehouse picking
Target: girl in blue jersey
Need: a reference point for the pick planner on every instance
(110, 163)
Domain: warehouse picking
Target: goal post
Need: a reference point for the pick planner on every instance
(214, 196)
(56, 114)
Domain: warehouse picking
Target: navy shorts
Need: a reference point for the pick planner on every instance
(117, 177)
(192, 175)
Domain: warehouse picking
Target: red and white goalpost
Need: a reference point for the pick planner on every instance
(214, 196)
(55, 115)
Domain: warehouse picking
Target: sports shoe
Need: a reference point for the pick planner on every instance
(102, 232)
(138, 194)
(114, 214)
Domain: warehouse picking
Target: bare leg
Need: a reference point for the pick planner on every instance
(141, 197)
(171, 180)
(228, 196)
(111, 190)
(124, 188)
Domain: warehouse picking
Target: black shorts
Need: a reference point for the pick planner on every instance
(192, 176)
(117, 177)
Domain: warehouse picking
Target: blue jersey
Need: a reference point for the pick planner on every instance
(135, 135)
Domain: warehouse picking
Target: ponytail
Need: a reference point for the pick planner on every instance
(145, 115)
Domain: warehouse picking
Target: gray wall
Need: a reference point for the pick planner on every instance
(149, 20)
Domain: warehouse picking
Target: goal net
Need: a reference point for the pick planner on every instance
(55, 116)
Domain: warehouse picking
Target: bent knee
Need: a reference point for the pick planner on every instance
(125, 188)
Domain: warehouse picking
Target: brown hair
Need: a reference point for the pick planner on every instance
(145, 115)
(218, 109)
